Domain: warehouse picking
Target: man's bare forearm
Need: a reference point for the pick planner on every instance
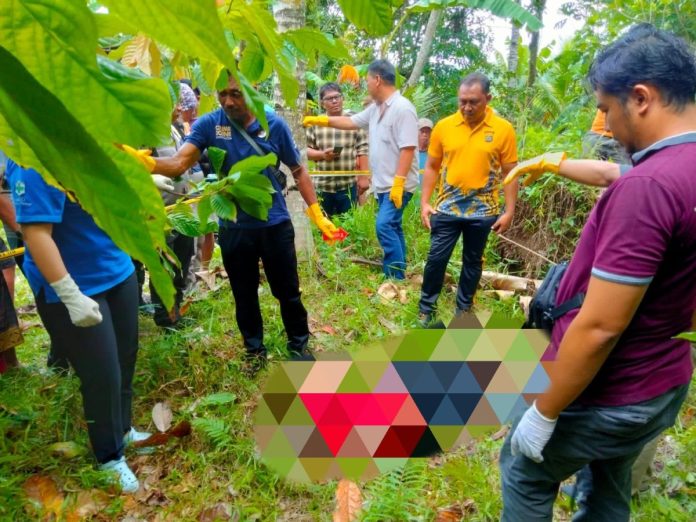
(304, 184)
(590, 172)
(342, 122)
(405, 161)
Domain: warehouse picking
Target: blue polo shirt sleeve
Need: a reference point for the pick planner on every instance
(202, 133)
(285, 144)
(34, 200)
(632, 239)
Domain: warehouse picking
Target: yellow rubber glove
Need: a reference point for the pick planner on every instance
(143, 156)
(535, 167)
(317, 216)
(396, 194)
(319, 121)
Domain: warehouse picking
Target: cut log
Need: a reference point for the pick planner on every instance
(508, 282)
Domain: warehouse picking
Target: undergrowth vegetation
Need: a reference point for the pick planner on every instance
(198, 371)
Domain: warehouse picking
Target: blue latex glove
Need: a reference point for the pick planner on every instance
(532, 434)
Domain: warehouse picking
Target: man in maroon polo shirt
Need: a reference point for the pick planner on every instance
(620, 376)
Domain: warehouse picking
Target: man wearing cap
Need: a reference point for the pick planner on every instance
(468, 152)
(425, 127)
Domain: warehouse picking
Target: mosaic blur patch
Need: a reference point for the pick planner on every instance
(361, 414)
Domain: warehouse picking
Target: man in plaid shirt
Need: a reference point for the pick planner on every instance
(337, 193)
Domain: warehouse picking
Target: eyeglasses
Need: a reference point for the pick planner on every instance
(332, 98)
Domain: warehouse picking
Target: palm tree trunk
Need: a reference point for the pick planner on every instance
(538, 9)
(426, 47)
(513, 55)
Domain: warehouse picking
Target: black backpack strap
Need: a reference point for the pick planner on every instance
(275, 171)
(567, 306)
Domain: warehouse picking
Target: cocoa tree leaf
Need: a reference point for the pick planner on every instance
(162, 416)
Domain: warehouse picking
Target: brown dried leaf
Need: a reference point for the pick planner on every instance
(393, 328)
(42, 490)
(456, 512)
(87, 504)
(348, 501)
(162, 416)
(403, 297)
(208, 278)
(328, 329)
(220, 511)
(156, 439)
(183, 429)
(388, 291)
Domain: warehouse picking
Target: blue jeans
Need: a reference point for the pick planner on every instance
(338, 202)
(608, 439)
(444, 233)
(390, 235)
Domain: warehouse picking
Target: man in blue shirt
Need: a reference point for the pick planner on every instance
(247, 240)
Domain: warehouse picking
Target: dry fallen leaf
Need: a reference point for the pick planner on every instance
(162, 416)
(220, 511)
(328, 329)
(43, 492)
(403, 297)
(456, 512)
(393, 328)
(500, 433)
(388, 291)
(348, 501)
(183, 429)
(87, 504)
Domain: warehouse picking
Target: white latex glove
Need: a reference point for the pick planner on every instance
(532, 434)
(163, 182)
(83, 310)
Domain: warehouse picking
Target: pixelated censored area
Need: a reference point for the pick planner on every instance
(361, 414)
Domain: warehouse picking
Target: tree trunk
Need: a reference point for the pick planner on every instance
(290, 14)
(538, 10)
(513, 56)
(426, 47)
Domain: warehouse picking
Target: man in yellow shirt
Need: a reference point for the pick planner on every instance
(469, 153)
(599, 142)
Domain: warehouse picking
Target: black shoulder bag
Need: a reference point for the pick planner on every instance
(543, 310)
(278, 174)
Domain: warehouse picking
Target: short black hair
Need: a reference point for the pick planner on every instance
(384, 70)
(647, 55)
(477, 77)
(330, 86)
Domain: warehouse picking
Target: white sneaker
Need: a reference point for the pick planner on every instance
(134, 435)
(126, 478)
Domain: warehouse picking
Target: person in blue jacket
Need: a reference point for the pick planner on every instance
(87, 296)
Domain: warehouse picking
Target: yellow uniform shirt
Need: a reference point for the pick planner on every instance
(470, 174)
(599, 124)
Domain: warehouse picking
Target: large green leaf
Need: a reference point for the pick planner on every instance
(372, 16)
(111, 186)
(192, 27)
(309, 41)
(253, 21)
(56, 42)
(503, 8)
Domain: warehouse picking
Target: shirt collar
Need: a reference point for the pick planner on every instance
(459, 118)
(392, 98)
(677, 139)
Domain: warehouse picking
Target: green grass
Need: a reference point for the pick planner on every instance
(198, 371)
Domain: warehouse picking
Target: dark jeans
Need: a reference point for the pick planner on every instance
(241, 250)
(608, 439)
(338, 202)
(444, 234)
(184, 248)
(390, 234)
(103, 357)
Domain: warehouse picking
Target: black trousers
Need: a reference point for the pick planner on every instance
(241, 250)
(444, 233)
(183, 248)
(103, 357)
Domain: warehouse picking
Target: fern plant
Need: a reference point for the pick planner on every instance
(215, 429)
(398, 495)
